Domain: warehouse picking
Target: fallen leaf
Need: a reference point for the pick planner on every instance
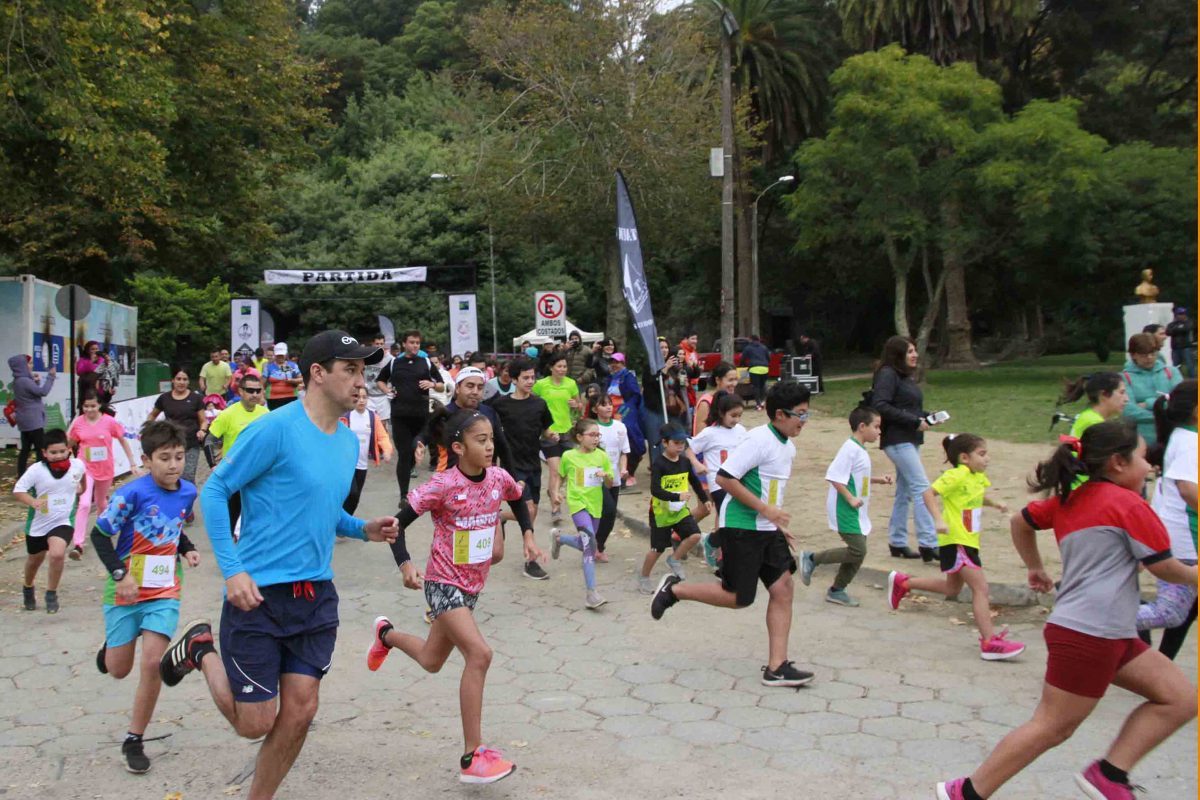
(956, 621)
(234, 789)
(173, 796)
(519, 743)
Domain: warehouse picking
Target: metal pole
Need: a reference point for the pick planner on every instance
(71, 376)
(726, 189)
(492, 266)
(754, 268)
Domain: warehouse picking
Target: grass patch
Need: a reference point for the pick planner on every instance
(1012, 401)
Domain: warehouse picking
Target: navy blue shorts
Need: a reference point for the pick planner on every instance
(293, 630)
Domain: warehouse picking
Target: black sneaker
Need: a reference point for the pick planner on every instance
(30, 598)
(51, 602)
(664, 598)
(534, 570)
(178, 660)
(100, 665)
(785, 675)
(135, 757)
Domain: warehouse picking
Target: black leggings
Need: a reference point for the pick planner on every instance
(608, 516)
(759, 382)
(356, 487)
(405, 430)
(31, 441)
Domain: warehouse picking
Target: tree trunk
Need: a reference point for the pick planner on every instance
(617, 310)
(900, 274)
(958, 325)
(931, 315)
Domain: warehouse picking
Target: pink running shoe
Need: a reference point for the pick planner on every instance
(487, 766)
(378, 651)
(1093, 784)
(951, 790)
(897, 588)
(999, 648)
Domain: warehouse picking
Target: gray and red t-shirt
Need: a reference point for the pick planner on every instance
(1103, 532)
(465, 514)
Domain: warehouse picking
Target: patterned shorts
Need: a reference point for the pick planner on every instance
(443, 597)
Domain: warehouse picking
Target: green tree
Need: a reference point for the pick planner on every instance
(169, 309)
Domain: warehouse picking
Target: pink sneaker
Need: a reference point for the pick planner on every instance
(897, 588)
(951, 790)
(999, 648)
(378, 651)
(1093, 784)
(487, 766)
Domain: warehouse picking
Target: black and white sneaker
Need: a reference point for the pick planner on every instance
(534, 570)
(100, 654)
(29, 596)
(51, 602)
(664, 597)
(785, 675)
(135, 756)
(183, 655)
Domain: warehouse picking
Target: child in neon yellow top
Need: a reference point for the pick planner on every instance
(963, 493)
(587, 472)
(1106, 399)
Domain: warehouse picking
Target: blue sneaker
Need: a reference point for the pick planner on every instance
(806, 567)
(839, 598)
(710, 552)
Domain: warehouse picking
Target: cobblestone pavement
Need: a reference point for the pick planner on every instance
(606, 704)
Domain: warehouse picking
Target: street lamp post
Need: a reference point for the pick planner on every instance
(442, 176)
(729, 29)
(754, 295)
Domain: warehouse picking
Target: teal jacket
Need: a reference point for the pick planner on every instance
(1144, 386)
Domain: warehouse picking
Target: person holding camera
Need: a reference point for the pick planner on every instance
(578, 357)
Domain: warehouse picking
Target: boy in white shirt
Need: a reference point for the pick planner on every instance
(49, 488)
(850, 480)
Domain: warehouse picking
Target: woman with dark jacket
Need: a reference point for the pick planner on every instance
(898, 399)
(29, 397)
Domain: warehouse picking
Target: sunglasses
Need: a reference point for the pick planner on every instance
(803, 417)
(248, 390)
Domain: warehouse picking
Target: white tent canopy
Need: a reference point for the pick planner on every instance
(533, 338)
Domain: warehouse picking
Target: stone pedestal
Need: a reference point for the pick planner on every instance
(1143, 314)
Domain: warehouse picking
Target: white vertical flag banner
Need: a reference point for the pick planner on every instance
(244, 322)
(464, 324)
(387, 329)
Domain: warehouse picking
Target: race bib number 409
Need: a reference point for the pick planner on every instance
(473, 547)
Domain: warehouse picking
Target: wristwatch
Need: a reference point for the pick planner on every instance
(118, 574)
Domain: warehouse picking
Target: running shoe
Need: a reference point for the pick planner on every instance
(556, 515)
(135, 757)
(29, 595)
(51, 602)
(999, 648)
(593, 600)
(676, 568)
(378, 651)
(807, 565)
(646, 585)
(839, 598)
(534, 570)
(1093, 784)
(710, 552)
(951, 790)
(897, 588)
(601, 558)
(785, 674)
(555, 544)
(664, 597)
(76, 552)
(428, 615)
(487, 766)
(100, 655)
(181, 656)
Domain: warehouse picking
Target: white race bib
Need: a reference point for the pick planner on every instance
(59, 504)
(972, 519)
(677, 505)
(593, 476)
(153, 572)
(95, 454)
(473, 547)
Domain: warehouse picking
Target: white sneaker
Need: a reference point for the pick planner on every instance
(593, 600)
(676, 568)
(555, 544)
(646, 586)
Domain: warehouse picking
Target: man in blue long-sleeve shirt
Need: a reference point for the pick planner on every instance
(279, 619)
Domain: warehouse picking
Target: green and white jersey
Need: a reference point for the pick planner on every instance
(851, 467)
(763, 464)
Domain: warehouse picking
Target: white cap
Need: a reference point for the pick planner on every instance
(281, 349)
(470, 372)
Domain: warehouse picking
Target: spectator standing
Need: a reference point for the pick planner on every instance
(441, 373)
(1183, 341)
(1159, 332)
(183, 406)
(629, 407)
(808, 346)
(691, 362)
(577, 357)
(87, 369)
(282, 376)
(1145, 379)
(215, 375)
(28, 395)
(757, 360)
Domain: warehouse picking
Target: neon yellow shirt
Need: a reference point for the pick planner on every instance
(230, 423)
(584, 473)
(1085, 420)
(962, 505)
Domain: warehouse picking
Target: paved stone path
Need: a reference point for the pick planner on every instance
(591, 705)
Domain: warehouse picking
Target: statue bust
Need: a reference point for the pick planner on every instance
(1146, 291)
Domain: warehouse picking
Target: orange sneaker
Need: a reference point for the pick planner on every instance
(378, 651)
(487, 766)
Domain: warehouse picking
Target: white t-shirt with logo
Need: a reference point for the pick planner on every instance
(614, 439)
(1179, 464)
(763, 464)
(715, 443)
(360, 426)
(851, 467)
(60, 493)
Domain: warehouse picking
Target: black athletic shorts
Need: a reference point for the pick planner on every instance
(40, 544)
(553, 449)
(956, 556)
(660, 537)
(533, 484)
(752, 556)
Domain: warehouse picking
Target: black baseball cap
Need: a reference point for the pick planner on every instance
(337, 344)
(674, 432)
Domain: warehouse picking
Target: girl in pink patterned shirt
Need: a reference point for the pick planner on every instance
(464, 502)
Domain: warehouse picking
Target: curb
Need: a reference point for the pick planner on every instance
(1001, 594)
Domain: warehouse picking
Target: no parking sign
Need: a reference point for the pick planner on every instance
(550, 310)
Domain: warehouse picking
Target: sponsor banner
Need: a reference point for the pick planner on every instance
(637, 292)
(464, 324)
(320, 276)
(245, 323)
(388, 329)
(550, 311)
(132, 415)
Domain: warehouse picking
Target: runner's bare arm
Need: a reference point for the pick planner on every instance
(1024, 538)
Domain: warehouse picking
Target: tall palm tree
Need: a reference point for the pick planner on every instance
(946, 31)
